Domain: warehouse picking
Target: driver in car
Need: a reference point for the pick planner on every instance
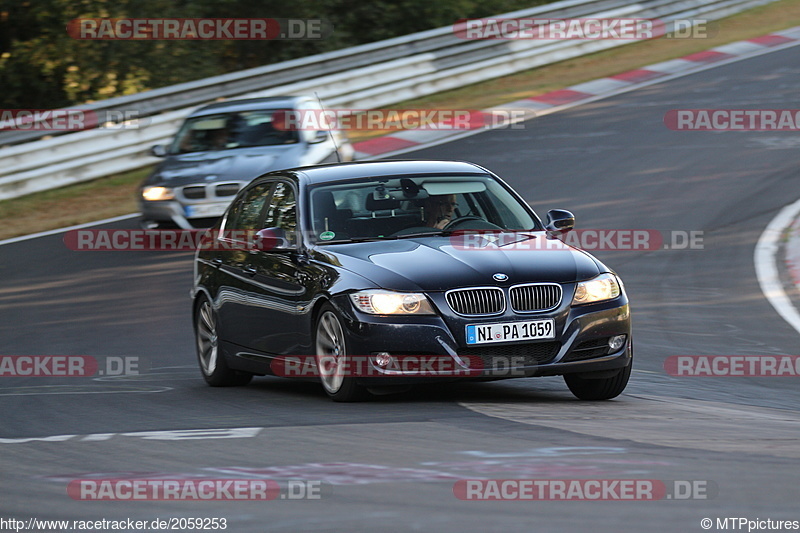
(438, 210)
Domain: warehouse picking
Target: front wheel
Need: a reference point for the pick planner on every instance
(212, 362)
(601, 388)
(331, 350)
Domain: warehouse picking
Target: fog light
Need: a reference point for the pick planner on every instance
(382, 359)
(616, 342)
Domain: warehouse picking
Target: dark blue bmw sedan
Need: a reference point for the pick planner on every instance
(375, 276)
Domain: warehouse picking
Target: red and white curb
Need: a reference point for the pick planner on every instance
(584, 92)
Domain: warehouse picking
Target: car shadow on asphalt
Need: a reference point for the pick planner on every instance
(507, 391)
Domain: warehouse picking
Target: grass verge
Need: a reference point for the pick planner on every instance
(74, 204)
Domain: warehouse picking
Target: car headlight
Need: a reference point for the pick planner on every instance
(153, 194)
(379, 302)
(603, 287)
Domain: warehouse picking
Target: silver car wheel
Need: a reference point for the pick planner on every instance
(330, 352)
(207, 339)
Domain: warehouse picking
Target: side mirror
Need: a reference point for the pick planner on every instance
(272, 240)
(559, 221)
(158, 151)
(320, 136)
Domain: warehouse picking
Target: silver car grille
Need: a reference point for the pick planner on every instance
(227, 189)
(480, 301)
(195, 192)
(211, 191)
(535, 297)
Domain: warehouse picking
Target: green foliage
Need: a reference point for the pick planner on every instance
(42, 67)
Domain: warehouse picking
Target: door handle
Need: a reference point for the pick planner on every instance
(217, 261)
(250, 270)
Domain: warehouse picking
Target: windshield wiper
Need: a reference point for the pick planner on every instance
(526, 234)
(421, 234)
(384, 238)
(356, 239)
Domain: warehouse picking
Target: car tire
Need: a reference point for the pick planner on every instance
(212, 363)
(603, 387)
(148, 224)
(331, 356)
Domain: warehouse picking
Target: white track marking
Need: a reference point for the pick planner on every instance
(767, 268)
(68, 228)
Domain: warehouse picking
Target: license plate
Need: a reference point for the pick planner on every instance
(511, 331)
(206, 210)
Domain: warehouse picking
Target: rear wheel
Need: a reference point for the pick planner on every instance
(603, 387)
(331, 355)
(212, 362)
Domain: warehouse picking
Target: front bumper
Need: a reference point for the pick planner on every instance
(193, 205)
(163, 211)
(174, 212)
(580, 344)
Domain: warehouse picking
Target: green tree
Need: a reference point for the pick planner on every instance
(42, 67)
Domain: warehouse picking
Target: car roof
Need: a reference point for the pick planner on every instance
(367, 169)
(250, 104)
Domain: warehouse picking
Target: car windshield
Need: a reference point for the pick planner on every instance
(398, 207)
(226, 131)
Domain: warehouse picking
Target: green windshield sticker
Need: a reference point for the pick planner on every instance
(327, 235)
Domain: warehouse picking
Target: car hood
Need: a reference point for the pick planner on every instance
(236, 165)
(439, 263)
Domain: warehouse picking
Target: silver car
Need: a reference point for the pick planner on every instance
(220, 148)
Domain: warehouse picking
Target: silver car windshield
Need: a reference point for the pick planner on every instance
(387, 208)
(227, 131)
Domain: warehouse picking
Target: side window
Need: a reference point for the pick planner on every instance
(282, 212)
(470, 205)
(264, 128)
(247, 212)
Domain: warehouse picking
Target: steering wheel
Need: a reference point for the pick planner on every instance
(460, 220)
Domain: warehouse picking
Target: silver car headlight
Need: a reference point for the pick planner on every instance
(379, 302)
(599, 289)
(153, 194)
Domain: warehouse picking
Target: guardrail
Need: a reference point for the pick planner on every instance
(364, 76)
